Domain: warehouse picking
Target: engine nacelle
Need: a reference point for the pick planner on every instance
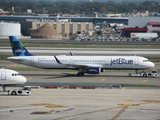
(94, 70)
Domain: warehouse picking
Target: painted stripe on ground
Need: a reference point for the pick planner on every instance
(103, 79)
(145, 81)
(30, 78)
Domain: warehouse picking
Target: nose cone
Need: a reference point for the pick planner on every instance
(23, 80)
(151, 64)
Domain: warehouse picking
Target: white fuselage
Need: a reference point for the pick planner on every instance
(11, 77)
(105, 62)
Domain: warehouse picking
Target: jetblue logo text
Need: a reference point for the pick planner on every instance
(120, 61)
(19, 51)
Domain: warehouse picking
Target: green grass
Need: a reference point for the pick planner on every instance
(4, 57)
(153, 59)
(141, 85)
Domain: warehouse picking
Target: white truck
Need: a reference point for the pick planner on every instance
(148, 74)
(22, 92)
(144, 35)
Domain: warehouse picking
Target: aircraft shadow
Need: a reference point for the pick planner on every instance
(85, 76)
(64, 75)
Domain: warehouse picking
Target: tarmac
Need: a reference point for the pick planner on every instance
(62, 103)
(84, 104)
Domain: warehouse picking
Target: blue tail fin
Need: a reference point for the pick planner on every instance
(18, 48)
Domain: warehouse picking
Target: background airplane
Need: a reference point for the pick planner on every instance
(84, 64)
(10, 77)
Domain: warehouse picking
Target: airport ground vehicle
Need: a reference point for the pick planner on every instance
(24, 91)
(144, 35)
(143, 74)
(20, 92)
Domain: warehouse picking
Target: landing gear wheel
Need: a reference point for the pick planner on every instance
(80, 73)
(13, 93)
(144, 75)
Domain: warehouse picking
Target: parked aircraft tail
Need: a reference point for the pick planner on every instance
(18, 48)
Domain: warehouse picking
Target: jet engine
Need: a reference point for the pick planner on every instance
(94, 70)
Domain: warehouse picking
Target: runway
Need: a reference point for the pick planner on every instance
(85, 51)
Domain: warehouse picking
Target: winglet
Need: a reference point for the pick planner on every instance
(71, 54)
(58, 61)
(18, 48)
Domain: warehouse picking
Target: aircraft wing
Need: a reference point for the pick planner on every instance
(78, 65)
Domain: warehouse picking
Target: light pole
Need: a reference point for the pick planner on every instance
(93, 10)
(44, 10)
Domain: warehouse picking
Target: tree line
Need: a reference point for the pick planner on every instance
(85, 8)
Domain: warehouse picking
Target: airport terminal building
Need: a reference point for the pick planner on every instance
(142, 25)
(71, 26)
(65, 28)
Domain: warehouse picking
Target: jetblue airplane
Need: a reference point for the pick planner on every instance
(10, 77)
(84, 64)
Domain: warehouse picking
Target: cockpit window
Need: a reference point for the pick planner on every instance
(16, 74)
(145, 60)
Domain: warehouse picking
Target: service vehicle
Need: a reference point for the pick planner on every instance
(144, 35)
(143, 74)
(24, 91)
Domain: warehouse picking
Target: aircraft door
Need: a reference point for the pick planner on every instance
(70, 61)
(136, 60)
(107, 61)
(3, 75)
(32, 61)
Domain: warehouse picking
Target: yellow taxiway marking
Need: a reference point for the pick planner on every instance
(125, 106)
(119, 113)
(103, 79)
(71, 73)
(42, 112)
(30, 78)
(128, 105)
(85, 113)
(145, 81)
(49, 112)
(13, 64)
(151, 101)
(130, 100)
(48, 105)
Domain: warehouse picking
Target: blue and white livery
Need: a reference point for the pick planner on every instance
(84, 64)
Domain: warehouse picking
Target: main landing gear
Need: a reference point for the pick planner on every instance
(4, 88)
(80, 73)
